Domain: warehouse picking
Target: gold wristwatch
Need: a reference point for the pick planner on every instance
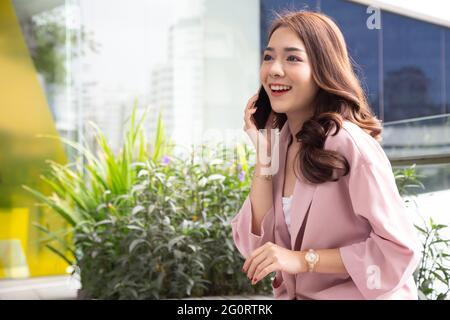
(311, 257)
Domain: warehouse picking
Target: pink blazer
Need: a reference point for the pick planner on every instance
(362, 214)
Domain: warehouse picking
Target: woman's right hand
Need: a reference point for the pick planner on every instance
(250, 126)
(250, 109)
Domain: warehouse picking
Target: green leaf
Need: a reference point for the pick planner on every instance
(70, 216)
(59, 253)
(135, 243)
(55, 237)
(441, 296)
(420, 229)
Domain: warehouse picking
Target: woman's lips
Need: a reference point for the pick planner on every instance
(279, 93)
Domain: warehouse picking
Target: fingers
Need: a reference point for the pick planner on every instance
(250, 109)
(264, 272)
(255, 254)
(259, 266)
(255, 263)
(249, 260)
(249, 113)
(252, 101)
(251, 106)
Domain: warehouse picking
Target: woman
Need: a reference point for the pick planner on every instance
(330, 222)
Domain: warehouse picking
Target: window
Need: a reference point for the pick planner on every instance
(267, 8)
(412, 68)
(447, 69)
(362, 44)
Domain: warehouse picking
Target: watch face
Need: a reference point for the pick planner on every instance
(310, 256)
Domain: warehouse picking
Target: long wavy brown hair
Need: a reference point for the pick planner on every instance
(340, 95)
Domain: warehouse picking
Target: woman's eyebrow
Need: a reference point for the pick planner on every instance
(285, 49)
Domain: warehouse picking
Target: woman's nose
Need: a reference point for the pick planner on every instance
(276, 69)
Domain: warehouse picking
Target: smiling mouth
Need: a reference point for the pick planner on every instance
(279, 93)
(278, 89)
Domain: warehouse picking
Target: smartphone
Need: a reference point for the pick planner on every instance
(264, 108)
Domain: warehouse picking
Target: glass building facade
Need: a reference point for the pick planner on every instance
(403, 64)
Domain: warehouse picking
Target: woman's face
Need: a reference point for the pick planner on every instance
(290, 68)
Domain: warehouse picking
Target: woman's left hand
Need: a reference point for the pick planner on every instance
(271, 257)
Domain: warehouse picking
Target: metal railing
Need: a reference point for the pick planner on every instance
(421, 141)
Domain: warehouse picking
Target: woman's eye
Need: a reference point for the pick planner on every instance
(267, 57)
(294, 58)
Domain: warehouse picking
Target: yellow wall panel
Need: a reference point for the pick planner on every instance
(24, 113)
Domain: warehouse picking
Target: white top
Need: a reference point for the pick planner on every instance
(287, 210)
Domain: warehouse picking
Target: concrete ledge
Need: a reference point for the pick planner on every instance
(40, 288)
(62, 288)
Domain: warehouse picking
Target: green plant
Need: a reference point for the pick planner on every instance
(79, 187)
(408, 181)
(151, 226)
(210, 194)
(432, 276)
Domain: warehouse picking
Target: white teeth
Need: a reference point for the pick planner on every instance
(278, 88)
